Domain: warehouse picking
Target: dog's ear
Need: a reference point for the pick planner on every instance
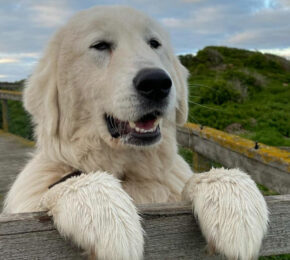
(181, 92)
(41, 95)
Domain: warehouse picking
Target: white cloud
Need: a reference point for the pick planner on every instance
(50, 14)
(284, 3)
(8, 60)
(281, 52)
(3, 76)
(33, 55)
(172, 22)
(242, 37)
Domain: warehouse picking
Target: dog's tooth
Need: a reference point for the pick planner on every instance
(132, 124)
(137, 129)
(156, 123)
(142, 130)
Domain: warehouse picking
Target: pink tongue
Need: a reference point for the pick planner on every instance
(146, 125)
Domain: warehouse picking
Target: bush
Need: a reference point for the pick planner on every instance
(252, 82)
(210, 57)
(18, 120)
(262, 62)
(219, 93)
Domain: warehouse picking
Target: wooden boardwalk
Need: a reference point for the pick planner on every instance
(14, 153)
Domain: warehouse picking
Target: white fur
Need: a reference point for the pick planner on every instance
(67, 95)
(103, 216)
(231, 211)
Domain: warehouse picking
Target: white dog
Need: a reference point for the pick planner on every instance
(106, 99)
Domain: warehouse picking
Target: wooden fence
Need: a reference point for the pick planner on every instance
(4, 96)
(172, 232)
(267, 165)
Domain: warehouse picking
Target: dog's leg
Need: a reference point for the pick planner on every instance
(98, 215)
(231, 212)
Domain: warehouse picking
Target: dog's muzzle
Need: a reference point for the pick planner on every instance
(153, 86)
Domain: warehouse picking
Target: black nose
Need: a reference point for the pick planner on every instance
(153, 84)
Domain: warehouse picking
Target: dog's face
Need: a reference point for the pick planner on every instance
(110, 72)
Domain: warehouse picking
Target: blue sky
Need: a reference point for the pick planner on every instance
(264, 25)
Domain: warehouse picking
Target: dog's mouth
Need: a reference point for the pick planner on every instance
(145, 131)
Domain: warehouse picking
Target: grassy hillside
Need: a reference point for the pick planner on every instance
(242, 92)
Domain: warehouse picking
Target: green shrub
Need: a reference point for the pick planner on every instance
(209, 56)
(261, 62)
(219, 93)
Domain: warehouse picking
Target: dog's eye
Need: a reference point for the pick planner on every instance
(102, 46)
(154, 44)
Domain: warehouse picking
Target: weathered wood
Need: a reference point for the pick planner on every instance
(14, 154)
(267, 165)
(4, 115)
(10, 95)
(10, 86)
(171, 233)
(200, 162)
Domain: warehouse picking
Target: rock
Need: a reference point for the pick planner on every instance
(235, 128)
(253, 121)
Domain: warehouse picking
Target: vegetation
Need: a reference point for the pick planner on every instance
(249, 89)
(19, 120)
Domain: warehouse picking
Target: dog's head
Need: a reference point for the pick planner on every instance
(110, 72)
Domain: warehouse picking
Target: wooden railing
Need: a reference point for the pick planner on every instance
(171, 233)
(267, 165)
(171, 230)
(4, 96)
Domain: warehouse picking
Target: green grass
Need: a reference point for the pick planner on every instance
(278, 257)
(237, 86)
(186, 154)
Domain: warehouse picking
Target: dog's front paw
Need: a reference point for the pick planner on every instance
(98, 215)
(231, 211)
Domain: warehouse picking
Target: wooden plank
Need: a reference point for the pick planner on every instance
(200, 162)
(14, 154)
(10, 85)
(171, 233)
(4, 115)
(267, 165)
(10, 95)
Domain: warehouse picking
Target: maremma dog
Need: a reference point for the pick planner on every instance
(105, 100)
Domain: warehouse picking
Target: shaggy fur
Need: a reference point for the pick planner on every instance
(67, 95)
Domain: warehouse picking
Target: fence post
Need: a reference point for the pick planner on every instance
(200, 163)
(4, 115)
